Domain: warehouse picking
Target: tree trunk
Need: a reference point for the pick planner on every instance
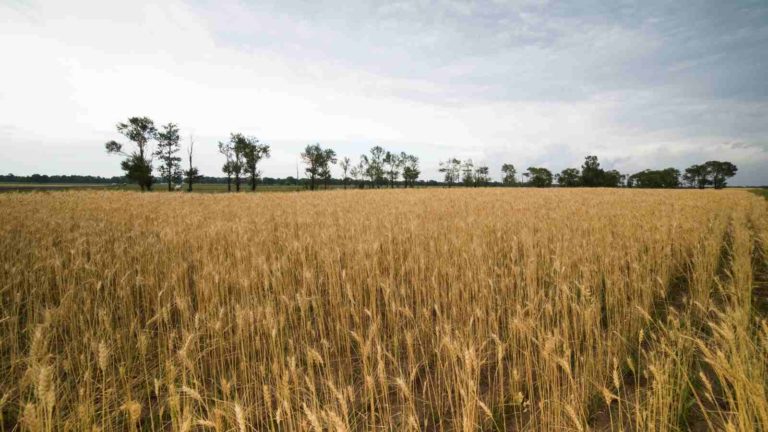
(229, 183)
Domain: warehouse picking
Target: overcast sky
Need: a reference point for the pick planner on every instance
(640, 84)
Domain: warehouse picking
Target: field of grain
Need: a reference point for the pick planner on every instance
(433, 310)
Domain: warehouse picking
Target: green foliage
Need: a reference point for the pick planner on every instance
(226, 149)
(468, 172)
(591, 173)
(509, 174)
(137, 165)
(140, 130)
(569, 177)
(393, 164)
(345, 164)
(411, 170)
(613, 178)
(139, 170)
(254, 151)
(666, 178)
(719, 172)
(167, 150)
(713, 173)
(318, 161)
(696, 175)
(482, 176)
(373, 165)
(241, 147)
(191, 176)
(539, 177)
(451, 170)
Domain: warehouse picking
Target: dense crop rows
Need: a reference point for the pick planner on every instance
(501, 309)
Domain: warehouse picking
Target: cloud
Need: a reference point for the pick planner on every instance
(640, 85)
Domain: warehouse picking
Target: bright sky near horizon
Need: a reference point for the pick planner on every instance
(646, 84)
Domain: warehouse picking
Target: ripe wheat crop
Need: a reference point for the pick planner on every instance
(433, 310)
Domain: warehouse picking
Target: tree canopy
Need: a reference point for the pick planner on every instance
(318, 161)
(137, 164)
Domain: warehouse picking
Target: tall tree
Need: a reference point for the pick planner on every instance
(482, 177)
(451, 170)
(357, 173)
(240, 146)
(468, 172)
(666, 178)
(411, 170)
(508, 174)
(192, 174)
(345, 165)
(374, 165)
(539, 177)
(225, 148)
(138, 163)
(168, 147)
(569, 177)
(612, 178)
(591, 173)
(318, 161)
(719, 172)
(697, 175)
(253, 152)
(393, 164)
(688, 178)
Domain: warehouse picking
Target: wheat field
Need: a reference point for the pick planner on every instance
(415, 310)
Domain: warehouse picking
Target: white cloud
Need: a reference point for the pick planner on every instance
(74, 69)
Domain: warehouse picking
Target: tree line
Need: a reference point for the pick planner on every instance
(711, 173)
(377, 168)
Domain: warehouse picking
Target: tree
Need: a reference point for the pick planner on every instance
(240, 146)
(411, 170)
(325, 172)
(345, 167)
(451, 170)
(252, 152)
(539, 177)
(374, 165)
(318, 162)
(192, 174)
(168, 147)
(612, 178)
(393, 164)
(137, 164)
(664, 179)
(225, 148)
(509, 174)
(719, 172)
(591, 173)
(482, 178)
(357, 172)
(468, 172)
(569, 177)
(697, 175)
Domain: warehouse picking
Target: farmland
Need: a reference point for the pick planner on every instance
(426, 309)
